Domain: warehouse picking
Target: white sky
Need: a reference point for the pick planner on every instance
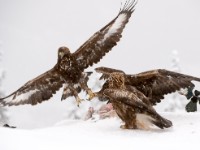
(32, 31)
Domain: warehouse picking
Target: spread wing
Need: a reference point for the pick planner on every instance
(156, 83)
(105, 39)
(35, 91)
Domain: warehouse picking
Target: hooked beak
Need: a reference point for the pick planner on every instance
(61, 54)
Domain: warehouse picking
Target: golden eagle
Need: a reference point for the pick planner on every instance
(69, 69)
(133, 95)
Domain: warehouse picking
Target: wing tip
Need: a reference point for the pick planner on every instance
(3, 100)
(129, 5)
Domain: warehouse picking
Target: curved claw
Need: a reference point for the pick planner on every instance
(91, 95)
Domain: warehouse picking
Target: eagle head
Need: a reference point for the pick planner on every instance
(63, 52)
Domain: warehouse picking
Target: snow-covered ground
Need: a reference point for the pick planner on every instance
(105, 134)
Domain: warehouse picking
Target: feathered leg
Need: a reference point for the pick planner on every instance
(78, 99)
(130, 123)
(88, 90)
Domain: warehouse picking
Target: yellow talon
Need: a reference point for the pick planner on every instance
(91, 95)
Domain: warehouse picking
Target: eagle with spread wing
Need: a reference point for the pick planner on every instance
(154, 84)
(69, 69)
(133, 95)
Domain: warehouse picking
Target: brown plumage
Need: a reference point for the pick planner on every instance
(70, 66)
(131, 105)
(134, 95)
(153, 84)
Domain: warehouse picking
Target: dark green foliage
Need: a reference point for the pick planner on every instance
(191, 106)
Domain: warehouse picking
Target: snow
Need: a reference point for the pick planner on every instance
(105, 134)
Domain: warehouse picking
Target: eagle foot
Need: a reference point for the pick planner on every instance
(125, 126)
(91, 95)
(78, 101)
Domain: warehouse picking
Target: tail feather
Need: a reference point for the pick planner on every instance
(162, 122)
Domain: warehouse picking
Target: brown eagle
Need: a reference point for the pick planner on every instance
(137, 93)
(131, 105)
(69, 69)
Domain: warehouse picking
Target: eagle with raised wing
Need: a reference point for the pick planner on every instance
(131, 105)
(133, 95)
(153, 84)
(69, 69)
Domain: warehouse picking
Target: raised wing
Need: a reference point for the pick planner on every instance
(156, 83)
(35, 91)
(105, 39)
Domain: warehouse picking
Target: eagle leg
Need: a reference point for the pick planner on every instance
(126, 126)
(123, 126)
(88, 90)
(75, 94)
(130, 124)
(78, 100)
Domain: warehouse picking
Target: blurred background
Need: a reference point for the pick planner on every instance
(160, 34)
